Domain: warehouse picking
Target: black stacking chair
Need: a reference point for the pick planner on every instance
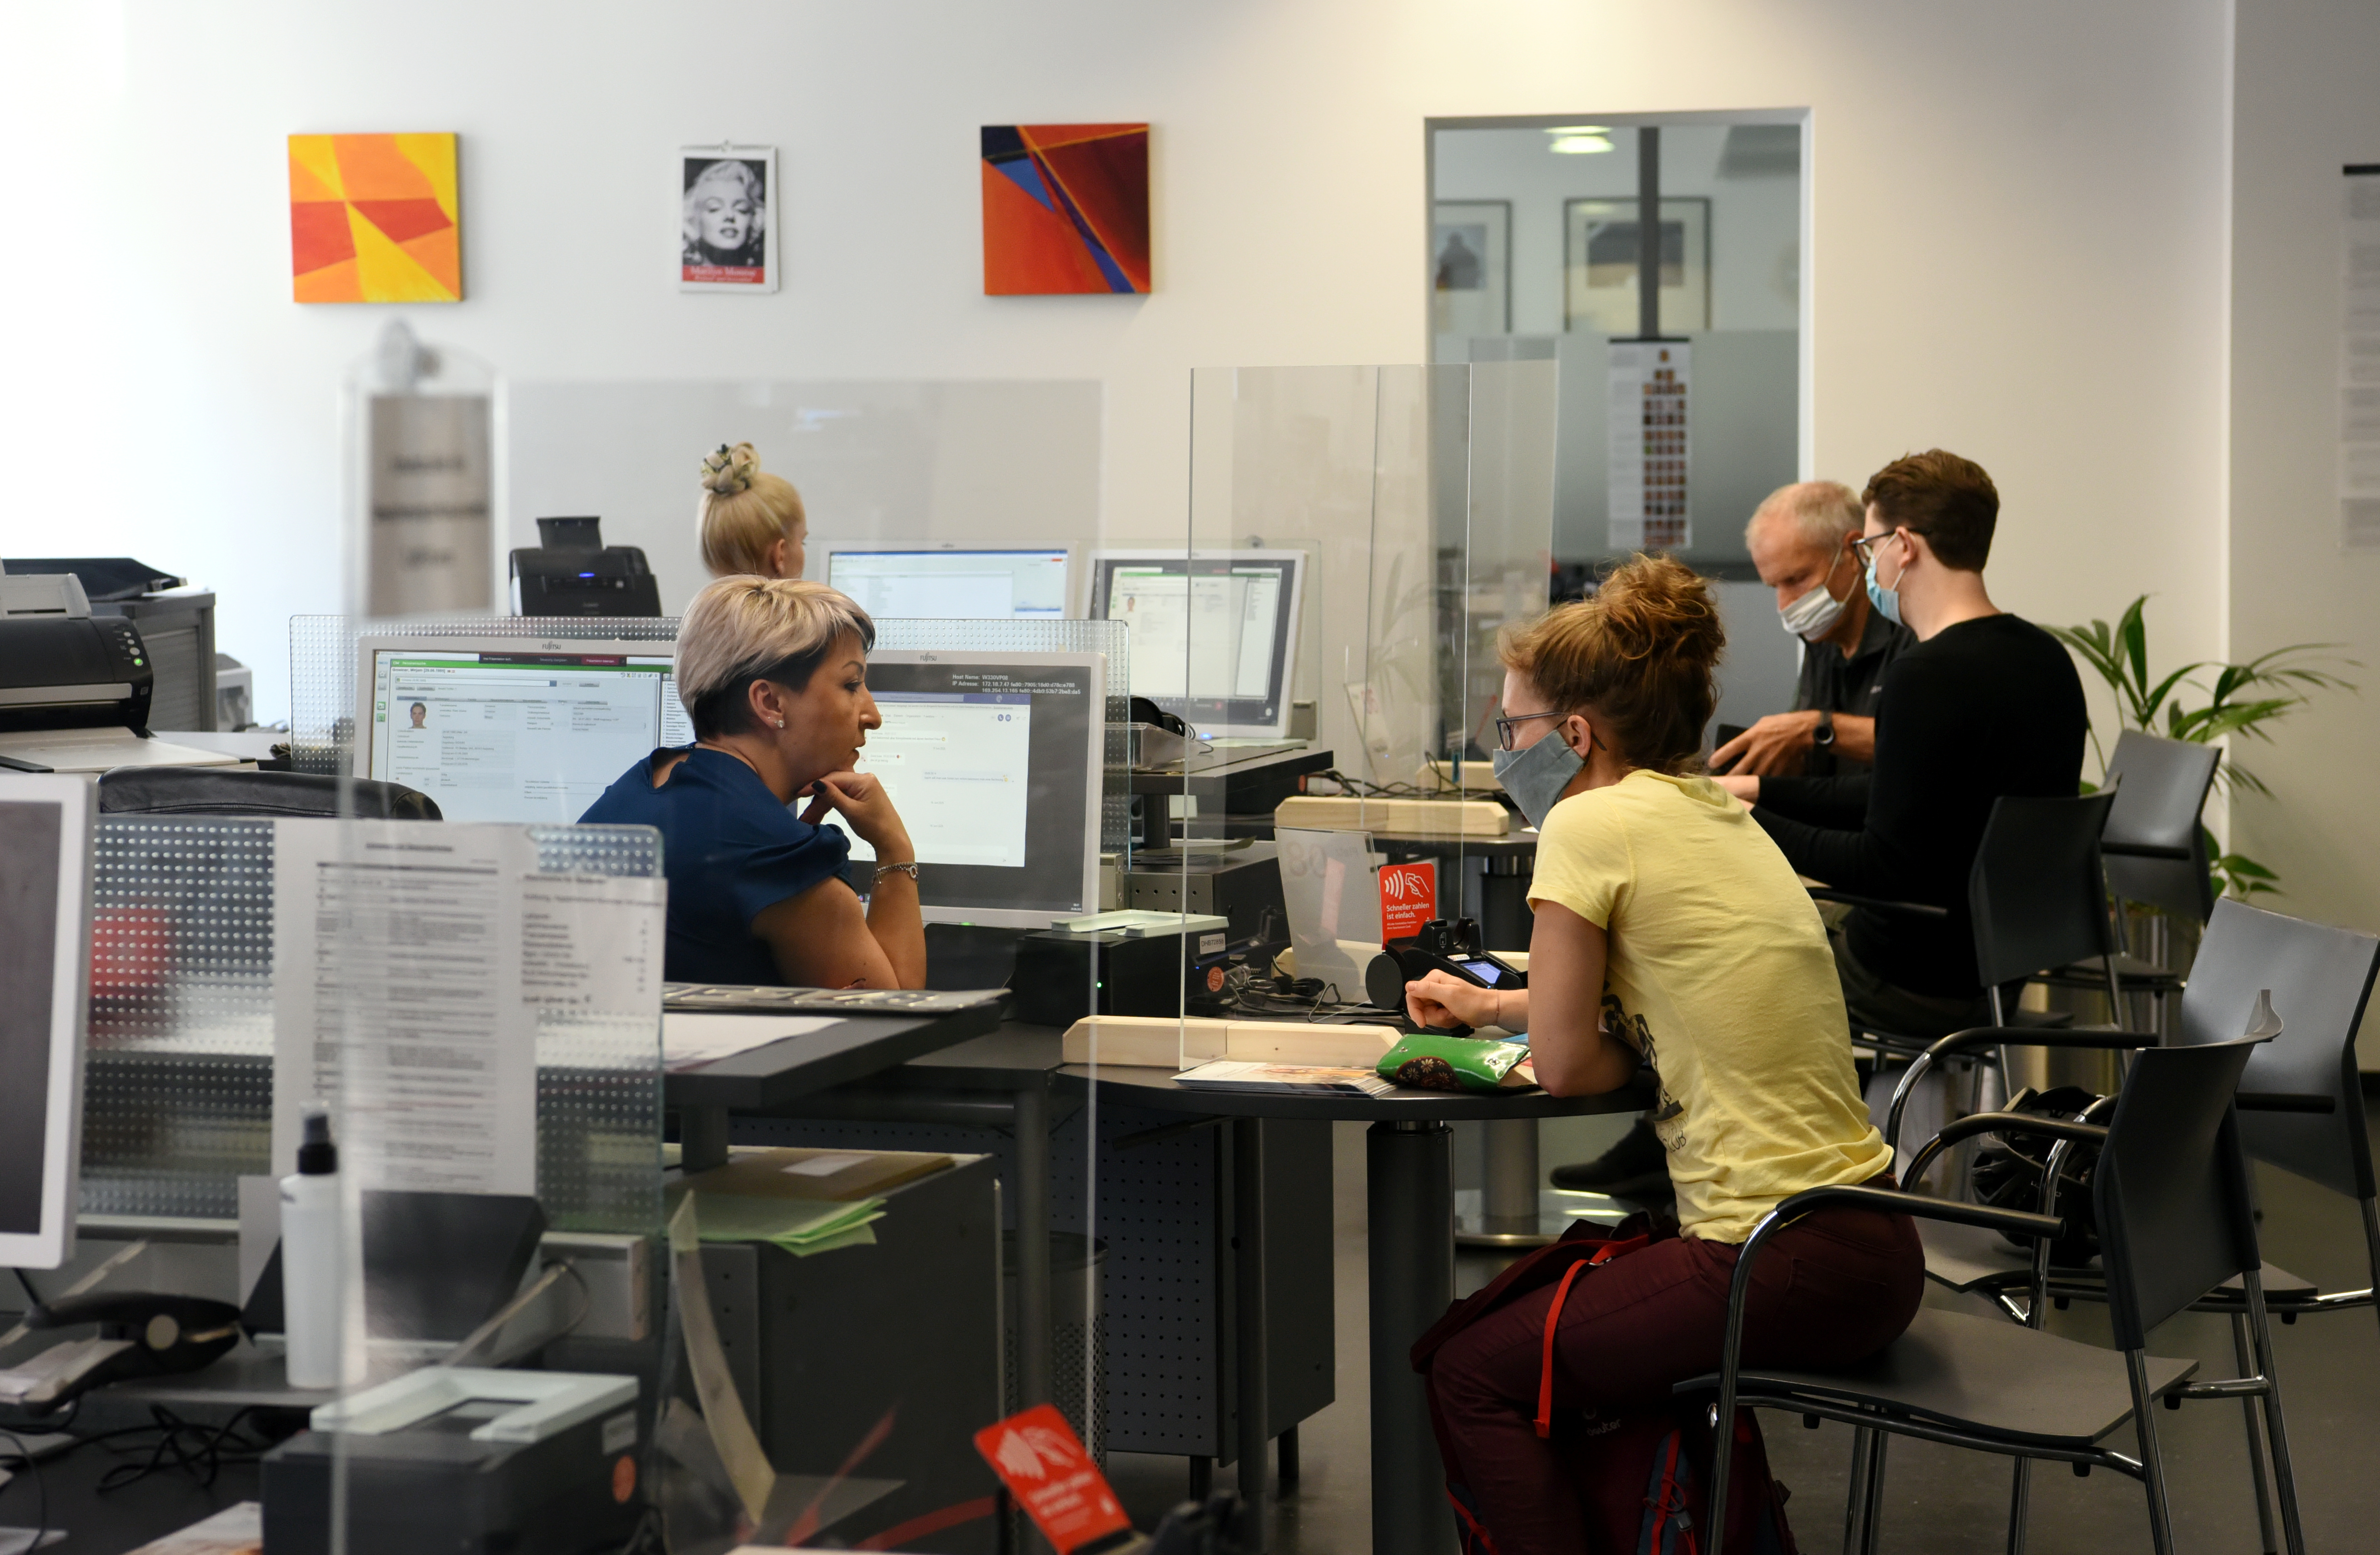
(2302, 987)
(229, 792)
(2153, 852)
(2175, 1218)
(2037, 897)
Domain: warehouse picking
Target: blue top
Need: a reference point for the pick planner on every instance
(730, 850)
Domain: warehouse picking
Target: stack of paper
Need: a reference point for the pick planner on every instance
(801, 1226)
(1295, 1078)
(816, 1174)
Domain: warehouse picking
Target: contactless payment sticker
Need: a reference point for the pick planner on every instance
(1041, 1460)
(1408, 899)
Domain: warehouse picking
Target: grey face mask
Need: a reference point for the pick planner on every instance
(1536, 776)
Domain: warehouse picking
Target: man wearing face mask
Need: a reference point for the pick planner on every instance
(1984, 705)
(1801, 541)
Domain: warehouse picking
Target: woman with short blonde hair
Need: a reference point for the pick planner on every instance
(774, 672)
(751, 521)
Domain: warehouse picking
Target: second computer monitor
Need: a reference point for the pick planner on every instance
(995, 761)
(936, 584)
(1214, 633)
(517, 729)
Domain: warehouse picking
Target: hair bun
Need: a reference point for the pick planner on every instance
(729, 470)
(1657, 606)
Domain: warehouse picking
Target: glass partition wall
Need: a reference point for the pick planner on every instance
(1681, 362)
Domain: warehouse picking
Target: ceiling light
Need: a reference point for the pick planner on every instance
(1579, 140)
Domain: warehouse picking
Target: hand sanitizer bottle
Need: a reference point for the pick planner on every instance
(322, 1294)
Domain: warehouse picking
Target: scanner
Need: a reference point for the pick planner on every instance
(570, 571)
(62, 668)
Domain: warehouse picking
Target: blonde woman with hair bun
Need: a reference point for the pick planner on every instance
(751, 521)
(774, 671)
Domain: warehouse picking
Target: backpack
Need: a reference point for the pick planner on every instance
(1642, 1477)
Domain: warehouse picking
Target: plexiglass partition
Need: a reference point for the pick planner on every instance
(1418, 502)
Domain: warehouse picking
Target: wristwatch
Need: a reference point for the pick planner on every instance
(1824, 736)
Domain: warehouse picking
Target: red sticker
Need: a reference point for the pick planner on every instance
(1041, 1460)
(1408, 899)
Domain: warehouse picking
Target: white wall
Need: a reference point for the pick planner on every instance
(2016, 244)
(2305, 107)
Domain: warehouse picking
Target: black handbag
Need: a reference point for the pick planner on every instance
(2009, 1167)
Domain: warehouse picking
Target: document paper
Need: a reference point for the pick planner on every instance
(397, 1001)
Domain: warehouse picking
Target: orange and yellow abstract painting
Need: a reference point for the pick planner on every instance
(373, 218)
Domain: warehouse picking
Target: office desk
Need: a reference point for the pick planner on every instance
(1410, 1216)
(766, 1078)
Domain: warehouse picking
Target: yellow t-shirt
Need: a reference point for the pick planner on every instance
(1719, 972)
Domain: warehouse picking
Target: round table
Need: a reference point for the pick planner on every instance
(1409, 1211)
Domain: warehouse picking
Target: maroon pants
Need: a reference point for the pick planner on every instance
(1833, 1288)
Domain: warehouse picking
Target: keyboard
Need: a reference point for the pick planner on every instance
(764, 999)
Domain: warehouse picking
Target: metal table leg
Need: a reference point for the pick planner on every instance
(1033, 1311)
(1248, 1263)
(1411, 1216)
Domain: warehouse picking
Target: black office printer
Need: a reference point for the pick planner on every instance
(62, 668)
(574, 572)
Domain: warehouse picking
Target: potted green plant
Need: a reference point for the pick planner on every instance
(2244, 700)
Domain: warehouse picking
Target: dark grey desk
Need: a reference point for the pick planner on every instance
(1410, 1213)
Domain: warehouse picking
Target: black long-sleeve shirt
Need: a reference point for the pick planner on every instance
(1988, 706)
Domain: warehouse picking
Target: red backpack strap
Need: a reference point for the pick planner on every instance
(1603, 1254)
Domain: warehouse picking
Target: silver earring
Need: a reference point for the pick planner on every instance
(781, 723)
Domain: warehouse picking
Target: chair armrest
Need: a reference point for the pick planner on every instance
(1978, 1036)
(2284, 1102)
(1740, 1287)
(1907, 910)
(2015, 1222)
(1993, 1122)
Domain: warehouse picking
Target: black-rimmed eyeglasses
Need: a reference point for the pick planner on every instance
(1864, 547)
(1504, 726)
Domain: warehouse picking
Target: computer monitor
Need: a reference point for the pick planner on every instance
(1214, 633)
(928, 584)
(45, 827)
(996, 763)
(513, 729)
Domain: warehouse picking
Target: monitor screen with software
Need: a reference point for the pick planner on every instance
(996, 762)
(45, 831)
(936, 584)
(1214, 633)
(513, 729)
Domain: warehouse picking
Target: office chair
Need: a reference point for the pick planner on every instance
(216, 791)
(2171, 1197)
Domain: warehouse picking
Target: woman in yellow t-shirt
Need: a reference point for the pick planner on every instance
(1669, 933)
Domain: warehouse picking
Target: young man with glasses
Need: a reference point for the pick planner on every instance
(1986, 704)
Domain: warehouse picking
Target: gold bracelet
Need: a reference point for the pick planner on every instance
(910, 869)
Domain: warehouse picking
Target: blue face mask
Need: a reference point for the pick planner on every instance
(1536, 776)
(1886, 600)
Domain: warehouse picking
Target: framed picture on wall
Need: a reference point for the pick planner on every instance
(1470, 267)
(727, 219)
(1599, 265)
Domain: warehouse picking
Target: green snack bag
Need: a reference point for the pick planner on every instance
(1426, 1060)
